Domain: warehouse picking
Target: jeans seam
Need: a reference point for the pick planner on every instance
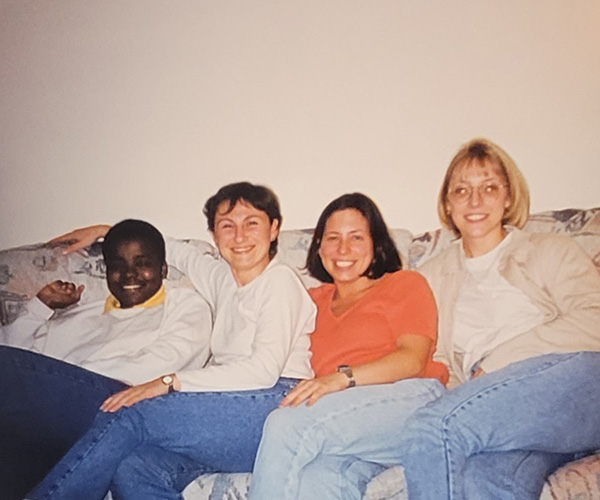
(453, 413)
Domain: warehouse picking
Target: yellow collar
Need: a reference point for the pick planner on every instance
(157, 299)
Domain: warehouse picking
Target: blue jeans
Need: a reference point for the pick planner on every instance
(310, 452)
(548, 405)
(145, 450)
(46, 406)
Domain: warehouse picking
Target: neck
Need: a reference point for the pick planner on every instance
(475, 247)
(345, 290)
(244, 277)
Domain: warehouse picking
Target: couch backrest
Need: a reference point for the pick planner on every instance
(24, 270)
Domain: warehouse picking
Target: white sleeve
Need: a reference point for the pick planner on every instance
(184, 339)
(27, 329)
(198, 262)
(284, 312)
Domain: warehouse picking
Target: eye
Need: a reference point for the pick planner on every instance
(358, 237)
(491, 188)
(460, 191)
(144, 262)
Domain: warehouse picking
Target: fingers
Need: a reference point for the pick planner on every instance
(133, 395)
(116, 401)
(307, 390)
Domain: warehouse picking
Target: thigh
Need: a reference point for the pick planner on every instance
(363, 422)
(220, 430)
(547, 403)
(47, 405)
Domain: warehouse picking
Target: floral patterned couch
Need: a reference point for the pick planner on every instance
(24, 270)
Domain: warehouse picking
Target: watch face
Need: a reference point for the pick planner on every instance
(167, 380)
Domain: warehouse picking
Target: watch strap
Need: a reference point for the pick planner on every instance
(347, 370)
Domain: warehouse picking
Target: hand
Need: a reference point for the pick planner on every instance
(79, 238)
(60, 294)
(315, 388)
(136, 394)
(478, 373)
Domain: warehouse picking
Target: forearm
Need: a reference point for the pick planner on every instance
(22, 332)
(398, 365)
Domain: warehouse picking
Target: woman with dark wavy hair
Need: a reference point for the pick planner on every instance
(373, 342)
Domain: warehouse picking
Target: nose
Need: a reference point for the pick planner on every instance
(130, 272)
(343, 246)
(475, 197)
(239, 234)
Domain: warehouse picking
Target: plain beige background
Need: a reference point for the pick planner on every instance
(143, 108)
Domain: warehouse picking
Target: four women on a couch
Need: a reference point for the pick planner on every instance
(518, 330)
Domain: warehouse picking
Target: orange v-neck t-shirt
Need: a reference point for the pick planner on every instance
(401, 303)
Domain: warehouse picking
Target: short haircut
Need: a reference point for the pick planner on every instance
(483, 150)
(260, 197)
(134, 230)
(385, 254)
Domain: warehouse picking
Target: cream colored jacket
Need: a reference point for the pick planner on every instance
(553, 271)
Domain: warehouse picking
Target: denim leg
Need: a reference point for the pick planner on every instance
(548, 403)
(359, 422)
(330, 477)
(152, 472)
(220, 431)
(47, 404)
(510, 475)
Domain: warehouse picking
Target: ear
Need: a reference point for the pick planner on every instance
(164, 270)
(274, 229)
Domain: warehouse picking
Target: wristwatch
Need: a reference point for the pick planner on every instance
(347, 370)
(168, 381)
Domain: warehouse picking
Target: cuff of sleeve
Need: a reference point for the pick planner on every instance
(39, 309)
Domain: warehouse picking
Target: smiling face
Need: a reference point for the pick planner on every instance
(346, 248)
(478, 196)
(134, 273)
(243, 236)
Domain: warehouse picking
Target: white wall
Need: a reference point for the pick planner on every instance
(143, 108)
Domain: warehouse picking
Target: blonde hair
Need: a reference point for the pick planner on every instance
(483, 150)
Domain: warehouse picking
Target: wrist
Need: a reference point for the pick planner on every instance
(169, 382)
(346, 370)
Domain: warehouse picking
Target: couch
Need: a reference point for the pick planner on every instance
(24, 270)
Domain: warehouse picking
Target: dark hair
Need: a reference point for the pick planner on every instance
(134, 230)
(385, 254)
(260, 197)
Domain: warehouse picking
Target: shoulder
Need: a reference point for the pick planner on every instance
(544, 246)
(278, 284)
(280, 274)
(448, 259)
(319, 293)
(403, 279)
(180, 298)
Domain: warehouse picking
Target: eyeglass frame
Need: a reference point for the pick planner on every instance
(452, 196)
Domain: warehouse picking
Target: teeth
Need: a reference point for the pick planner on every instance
(241, 250)
(344, 263)
(131, 287)
(475, 217)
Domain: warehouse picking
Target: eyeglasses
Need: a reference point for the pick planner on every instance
(487, 190)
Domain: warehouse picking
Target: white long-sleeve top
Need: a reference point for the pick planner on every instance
(261, 330)
(133, 345)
